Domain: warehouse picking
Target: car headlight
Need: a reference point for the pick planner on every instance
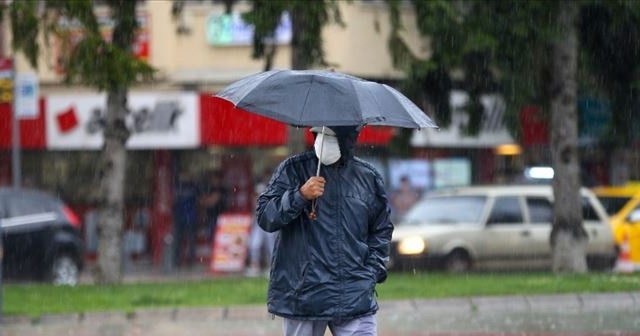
(411, 245)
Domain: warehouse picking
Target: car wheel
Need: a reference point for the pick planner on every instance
(457, 262)
(64, 270)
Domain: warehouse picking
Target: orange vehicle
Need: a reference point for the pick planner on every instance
(623, 205)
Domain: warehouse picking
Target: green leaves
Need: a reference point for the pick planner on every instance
(95, 60)
(103, 65)
(25, 28)
(307, 20)
(492, 44)
(514, 37)
(610, 42)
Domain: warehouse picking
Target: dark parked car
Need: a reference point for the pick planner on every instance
(41, 237)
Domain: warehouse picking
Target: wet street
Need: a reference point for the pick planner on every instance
(588, 314)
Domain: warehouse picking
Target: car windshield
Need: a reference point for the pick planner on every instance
(446, 210)
(613, 204)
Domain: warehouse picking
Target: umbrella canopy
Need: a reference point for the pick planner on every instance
(324, 98)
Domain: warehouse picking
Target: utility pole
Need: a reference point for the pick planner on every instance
(16, 168)
(6, 97)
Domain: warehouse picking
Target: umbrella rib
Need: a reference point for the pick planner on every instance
(353, 88)
(306, 99)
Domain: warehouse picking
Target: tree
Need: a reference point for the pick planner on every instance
(507, 55)
(522, 56)
(107, 65)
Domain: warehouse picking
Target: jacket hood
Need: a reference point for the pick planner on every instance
(347, 138)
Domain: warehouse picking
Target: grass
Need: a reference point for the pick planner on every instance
(37, 299)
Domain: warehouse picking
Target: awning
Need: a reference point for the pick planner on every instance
(493, 131)
(222, 124)
(370, 135)
(64, 122)
(453, 137)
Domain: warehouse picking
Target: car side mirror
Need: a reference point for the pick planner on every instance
(634, 216)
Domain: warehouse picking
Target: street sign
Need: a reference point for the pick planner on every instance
(26, 95)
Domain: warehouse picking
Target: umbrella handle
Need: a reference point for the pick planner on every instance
(313, 215)
(320, 155)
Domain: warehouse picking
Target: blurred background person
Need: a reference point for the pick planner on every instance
(403, 198)
(185, 212)
(260, 242)
(91, 230)
(213, 201)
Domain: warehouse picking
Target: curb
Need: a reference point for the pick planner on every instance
(589, 302)
(235, 313)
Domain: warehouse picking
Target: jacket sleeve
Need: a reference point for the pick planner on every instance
(281, 202)
(380, 231)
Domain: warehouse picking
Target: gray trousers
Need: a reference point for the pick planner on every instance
(363, 326)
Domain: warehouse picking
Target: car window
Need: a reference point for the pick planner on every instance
(446, 210)
(613, 204)
(506, 210)
(28, 205)
(540, 210)
(633, 215)
(588, 212)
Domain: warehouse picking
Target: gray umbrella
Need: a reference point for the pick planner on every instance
(324, 98)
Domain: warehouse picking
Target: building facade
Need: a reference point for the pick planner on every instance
(177, 125)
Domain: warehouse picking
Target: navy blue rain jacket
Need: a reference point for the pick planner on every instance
(326, 269)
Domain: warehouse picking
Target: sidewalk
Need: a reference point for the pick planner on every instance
(595, 314)
(144, 270)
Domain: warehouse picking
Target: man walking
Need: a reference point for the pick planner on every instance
(334, 235)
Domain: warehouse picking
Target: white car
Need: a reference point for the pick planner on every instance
(492, 227)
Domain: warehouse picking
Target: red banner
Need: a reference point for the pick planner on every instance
(32, 131)
(222, 124)
(370, 135)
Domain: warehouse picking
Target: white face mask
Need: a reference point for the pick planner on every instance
(330, 149)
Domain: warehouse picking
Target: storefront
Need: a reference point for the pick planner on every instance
(470, 159)
(171, 132)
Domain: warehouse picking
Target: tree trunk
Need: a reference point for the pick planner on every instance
(114, 155)
(568, 237)
(112, 178)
